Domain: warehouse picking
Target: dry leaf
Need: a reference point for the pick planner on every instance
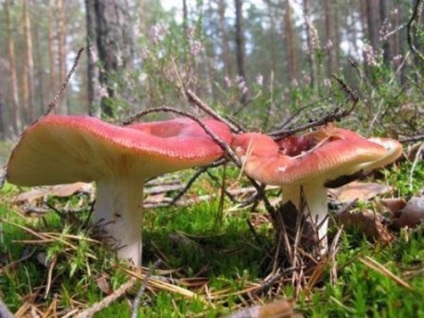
(358, 190)
(393, 205)
(367, 222)
(104, 285)
(411, 215)
(276, 309)
(62, 190)
(155, 198)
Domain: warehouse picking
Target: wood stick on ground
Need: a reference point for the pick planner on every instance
(105, 302)
(140, 293)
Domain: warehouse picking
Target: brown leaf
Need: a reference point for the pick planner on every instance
(411, 215)
(358, 190)
(367, 222)
(393, 205)
(276, 309)
(62, 190)
(104, 285)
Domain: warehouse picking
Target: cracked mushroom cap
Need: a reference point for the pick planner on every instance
(65, 149)
(331, 155)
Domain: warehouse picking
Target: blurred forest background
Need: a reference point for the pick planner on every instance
(264, 59)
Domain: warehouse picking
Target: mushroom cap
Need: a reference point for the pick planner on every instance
(64, 149)
(330, 156)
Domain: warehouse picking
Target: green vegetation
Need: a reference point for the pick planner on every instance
(217, 256)
(213, 254)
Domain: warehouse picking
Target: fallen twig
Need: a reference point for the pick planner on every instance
(140, 293)
(371, 263)
(105, 302)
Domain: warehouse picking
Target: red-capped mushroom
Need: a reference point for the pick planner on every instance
(65, 149)
(304, 166)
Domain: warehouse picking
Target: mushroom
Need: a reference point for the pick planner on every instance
(304, 166)
(65, 149)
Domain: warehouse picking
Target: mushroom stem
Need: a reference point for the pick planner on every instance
(311, 200)
(119, 209)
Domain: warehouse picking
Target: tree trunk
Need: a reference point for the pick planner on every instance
(51, 50)
(311, 55)
(185, 17)
(114, 45)
(337, 36)
(28, 68)
(387, 54)
(289, 39)
(225, 56)
(61, 41)
(273, 30)
(372, 23)
(3, 128)
(239, 37)
(92, 70)
(39, 98)
(328, 16)
(15, 105)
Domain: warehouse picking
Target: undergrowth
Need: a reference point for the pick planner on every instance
(211, 261)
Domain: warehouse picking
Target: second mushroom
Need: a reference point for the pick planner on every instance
(304, 166)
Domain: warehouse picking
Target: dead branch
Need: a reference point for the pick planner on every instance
(227, 149)
(193, 98)
(415, 14)
(140, 293)
(332, 116)
(412, 139)
(59, 95)
(194, 177)
(299, 112)
(105, 302)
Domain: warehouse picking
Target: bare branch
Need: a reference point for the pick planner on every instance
(59, 95)
(417, 9)
(140, 293)
(227, 149)
(105, 302)
(193, 98)
(334, 115)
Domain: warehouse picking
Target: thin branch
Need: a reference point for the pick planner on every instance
(227, 149)
(299, 111)
(188, 185)
(59, 95)
(168, 109)
(335, 115)
(412, 139)
(409, 30)
(193, 98)
(140, 293)
(105, 302)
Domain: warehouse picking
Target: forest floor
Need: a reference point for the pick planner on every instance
(212, 262)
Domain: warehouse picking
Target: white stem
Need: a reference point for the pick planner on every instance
(314, 206)
(119, 208)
